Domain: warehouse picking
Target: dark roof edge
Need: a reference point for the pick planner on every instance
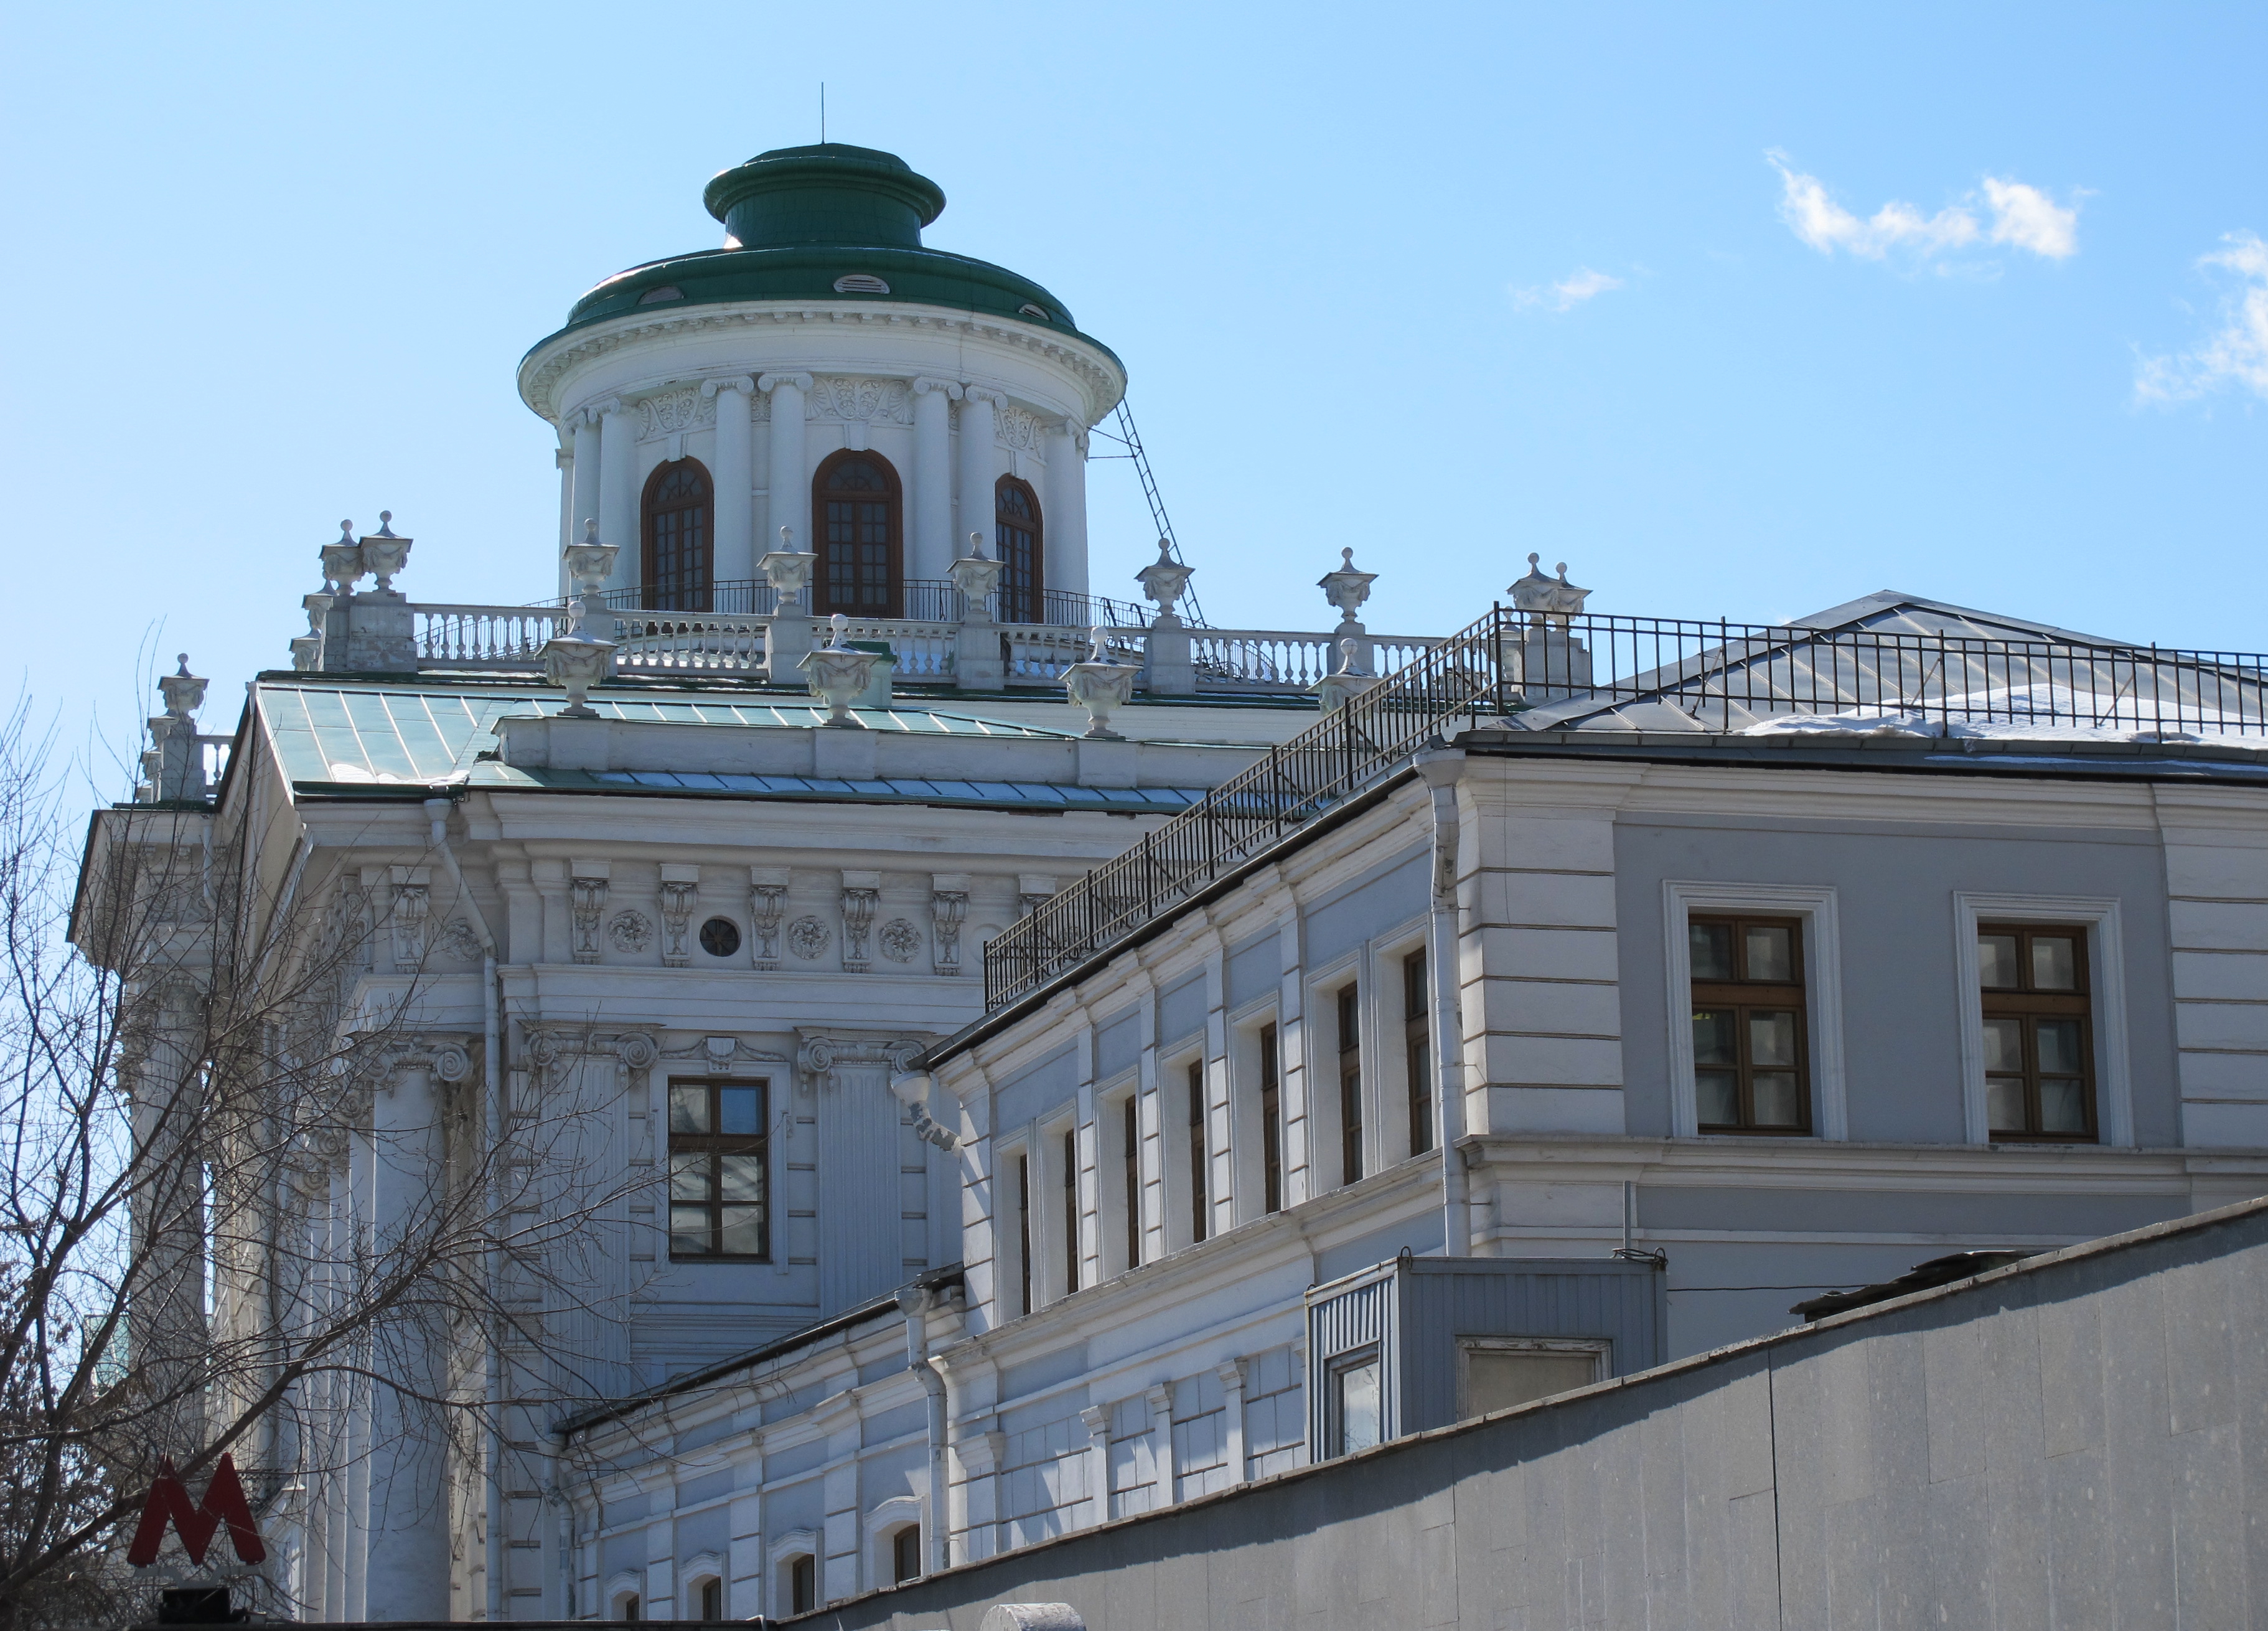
(1863, 750)
(949, 1276)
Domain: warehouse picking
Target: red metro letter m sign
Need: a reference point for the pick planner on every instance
(224, 1503)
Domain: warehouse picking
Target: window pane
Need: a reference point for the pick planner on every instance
(1357, 1402)
(740, 1177)
(689, 1177)
(1775, 1096)
(740, 1110)
(1719, 1096)
(1771, 1038)
(1770, 955)
(689, 1230)
(1712, 1037)
(2059, 1042)
(2004, 1044)
(1711, 950)
(1996, 961)
(689, 1108)
(2063, 1105)
(2004, 1104)
(1498, 1381)
(2054, 962)
(744, 1231)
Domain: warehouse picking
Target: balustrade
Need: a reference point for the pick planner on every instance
(483, 637)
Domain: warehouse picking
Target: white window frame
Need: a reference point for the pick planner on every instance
(795, 1544)
(1007, 1246)
(2106, 963)
(1173, 1146)
(1601, 1350)
(883, 1524)
(625, 1582)
(697, 1572)
(1823, 992)
(1110, 1104)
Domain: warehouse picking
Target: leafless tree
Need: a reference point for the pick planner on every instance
(190, 1055)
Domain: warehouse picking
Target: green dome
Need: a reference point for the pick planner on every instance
(829, 222)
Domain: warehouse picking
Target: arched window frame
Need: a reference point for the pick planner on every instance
(823, 601)
(1023, 596)
(696, 596)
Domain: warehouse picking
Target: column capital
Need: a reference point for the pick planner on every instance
(951, 388)
(1231, 1372)
(607, 407)
(767, 383)
(741, 383)
(1096, 1419)
(982, 393)
(1159, 1398)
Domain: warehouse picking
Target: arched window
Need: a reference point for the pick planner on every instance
(855, 510)
(1016, 540)
(677, 519)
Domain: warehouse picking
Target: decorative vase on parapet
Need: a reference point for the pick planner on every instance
(837, 675)
(575, 665)
(589, 564)
(384, 553)
(788, 569)
(342, 563)
(1100, 686)
(1545, 660)
(975, 578)
(1333, 691)
(1164, 579)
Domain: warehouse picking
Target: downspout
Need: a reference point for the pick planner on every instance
(916, 1302)
(1441, 767)
(436, 811)
(564, 1508)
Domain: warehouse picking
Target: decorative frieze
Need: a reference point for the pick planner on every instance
(871, 401)
(589, 903)
(948, 909)
(405, 916)
(767, 904)
(679, 883)
(861, 893)
(630, 932)
(819, 1053)
(808, 938)
(675, 412)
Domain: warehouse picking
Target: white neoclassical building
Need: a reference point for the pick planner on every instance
(1047, 1057)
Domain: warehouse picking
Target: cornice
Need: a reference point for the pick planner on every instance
(541, 373)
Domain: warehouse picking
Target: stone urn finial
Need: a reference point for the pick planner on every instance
(1100, 686)
(575, 664)
(1333, 691)
(838, 675)
(1547, 599)
(384, 552)
(589, 564)
(1346, 589)
(184, 692)
(343, 562)
(788, 569)
(975, 578)
(1164, 579)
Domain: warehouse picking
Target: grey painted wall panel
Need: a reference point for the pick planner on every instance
(1895, 893)
(2078, 1444)
(1181, 1009)
(1392, 893)
(1033, 1093)
(1117, 1046)
(2024, 1219)
(1045, 1371)
(704, 1531)
(1422, 1233)
(1255, 970)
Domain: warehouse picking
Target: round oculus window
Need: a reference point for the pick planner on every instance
(860, 282)
(720, 937)
(1041, 312)
(655, 297)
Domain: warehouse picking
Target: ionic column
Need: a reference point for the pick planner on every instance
(933, 551)
(791, 477)
(1231, 1373)
(735, 559)
(618, 492)
(583, 469)
(980, 465)
(1063, 521)
(565, 459)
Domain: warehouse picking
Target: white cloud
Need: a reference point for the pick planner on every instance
(2236, 352)
(1569, 292)
(2029, 219)
(2023, 218)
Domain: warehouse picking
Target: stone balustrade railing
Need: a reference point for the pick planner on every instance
(674, 642)
(483, 637)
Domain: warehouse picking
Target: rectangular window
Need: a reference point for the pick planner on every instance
(1751, 1047)
(1024, 1228)
(2039, 1031)
(1417, 1053)
(802, 1584)
(712, 1600)
(1497, 1373)
(1353, 1396)
(1350, 1084)
(1071, 1211)
(1132, 1161)
(1271, 1124)
(1200, 1204)
(719, 1171)
(905, 1553)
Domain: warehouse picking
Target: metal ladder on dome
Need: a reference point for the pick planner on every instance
(1129, 437)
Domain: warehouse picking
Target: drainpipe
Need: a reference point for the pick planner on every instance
(916, 1302)
(436, 812)
(1441, 766)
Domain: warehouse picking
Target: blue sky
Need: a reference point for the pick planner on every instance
(1741, 312)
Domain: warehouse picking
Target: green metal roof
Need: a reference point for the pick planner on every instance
(802, 217)
(329, 735)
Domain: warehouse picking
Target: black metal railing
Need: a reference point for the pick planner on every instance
(1720, 676)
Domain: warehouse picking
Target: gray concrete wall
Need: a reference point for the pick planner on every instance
(2080, 1442)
